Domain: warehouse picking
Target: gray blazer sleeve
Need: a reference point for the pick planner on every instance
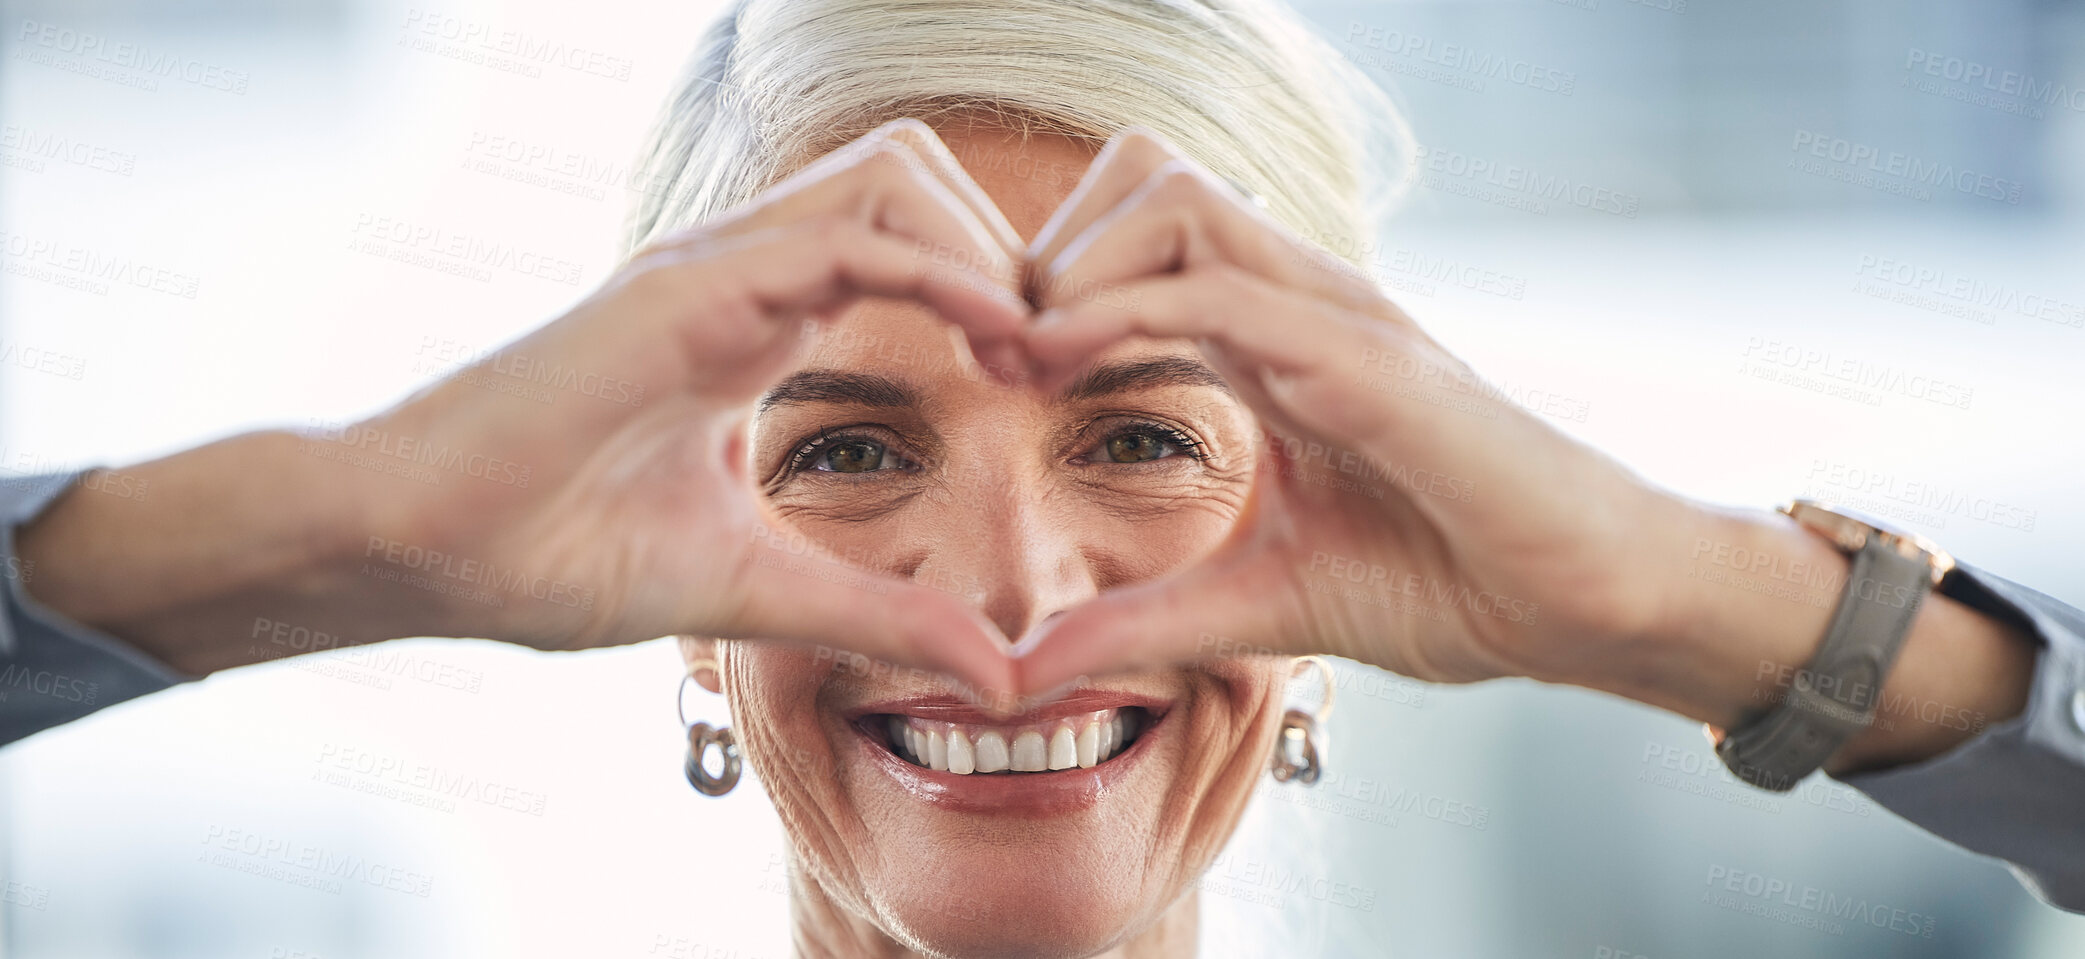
(2017, 791)
(53, 670)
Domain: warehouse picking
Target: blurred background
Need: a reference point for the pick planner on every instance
(1646, 218)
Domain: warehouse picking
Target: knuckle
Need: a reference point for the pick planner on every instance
(1143, 145)
(1179, 181)
(907, 127)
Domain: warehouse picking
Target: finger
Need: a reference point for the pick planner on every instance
(806, 597)
(1216, 607)
(884, 180)
(758, 290)
(1181, 217)
(945, 167)
(1256, 324)
(1121, 166)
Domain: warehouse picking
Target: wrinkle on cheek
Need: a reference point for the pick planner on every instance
(839, 507)
(1195, 503)
(773, 696)
(1228, 743)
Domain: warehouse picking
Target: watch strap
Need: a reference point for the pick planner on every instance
(1834, 698)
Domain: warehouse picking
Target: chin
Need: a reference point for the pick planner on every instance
(1028, 836)
(1062, 832)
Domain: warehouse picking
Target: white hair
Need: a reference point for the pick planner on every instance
(1241, 86)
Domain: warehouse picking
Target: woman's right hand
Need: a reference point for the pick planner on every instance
(617, 511)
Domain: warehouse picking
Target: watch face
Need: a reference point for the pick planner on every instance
(1851, 529)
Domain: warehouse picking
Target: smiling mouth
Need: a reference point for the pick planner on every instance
(1080, 741)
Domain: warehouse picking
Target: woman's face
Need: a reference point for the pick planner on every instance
(1065, 830)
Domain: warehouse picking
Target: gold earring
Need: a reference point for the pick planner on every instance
(701, 736)
(1301, 746)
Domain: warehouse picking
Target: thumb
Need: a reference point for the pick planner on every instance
(1214, 609)
(848, 612)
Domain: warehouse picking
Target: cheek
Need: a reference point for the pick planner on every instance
(1226, 753)
(773, 696)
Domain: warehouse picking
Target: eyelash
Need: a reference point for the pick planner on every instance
(1187, 445)
(827, 439)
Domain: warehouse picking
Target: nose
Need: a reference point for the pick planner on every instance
(1007, 547)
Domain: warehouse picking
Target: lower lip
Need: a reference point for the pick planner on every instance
(1018, 794)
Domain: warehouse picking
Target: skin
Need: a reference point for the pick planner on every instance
(657, 509)
(1017, 499)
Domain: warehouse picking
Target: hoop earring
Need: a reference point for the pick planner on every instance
(701, 736)
(1301, 746)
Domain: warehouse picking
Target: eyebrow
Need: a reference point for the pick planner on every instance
(1143, 375)
(882, 392)
(837, 386)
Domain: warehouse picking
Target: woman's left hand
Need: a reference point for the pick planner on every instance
(1404, 514)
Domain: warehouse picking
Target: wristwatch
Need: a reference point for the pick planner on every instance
(1834, 697)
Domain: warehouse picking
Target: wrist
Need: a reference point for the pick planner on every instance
(230, 540)
(1747, 597)
(1751, 596)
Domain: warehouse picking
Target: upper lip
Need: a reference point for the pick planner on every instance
(953, 710)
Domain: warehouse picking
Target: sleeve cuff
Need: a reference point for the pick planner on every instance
(2013, 791)
(54, 670)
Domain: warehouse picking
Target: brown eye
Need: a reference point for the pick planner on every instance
(1135, 448)
(1143, 443)
(853, 456)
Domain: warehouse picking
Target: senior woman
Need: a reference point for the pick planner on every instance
(992, 339)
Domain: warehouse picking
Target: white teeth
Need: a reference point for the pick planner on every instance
(1064, 753)
(1028, 755)
(1077, 742)
(991, 753)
